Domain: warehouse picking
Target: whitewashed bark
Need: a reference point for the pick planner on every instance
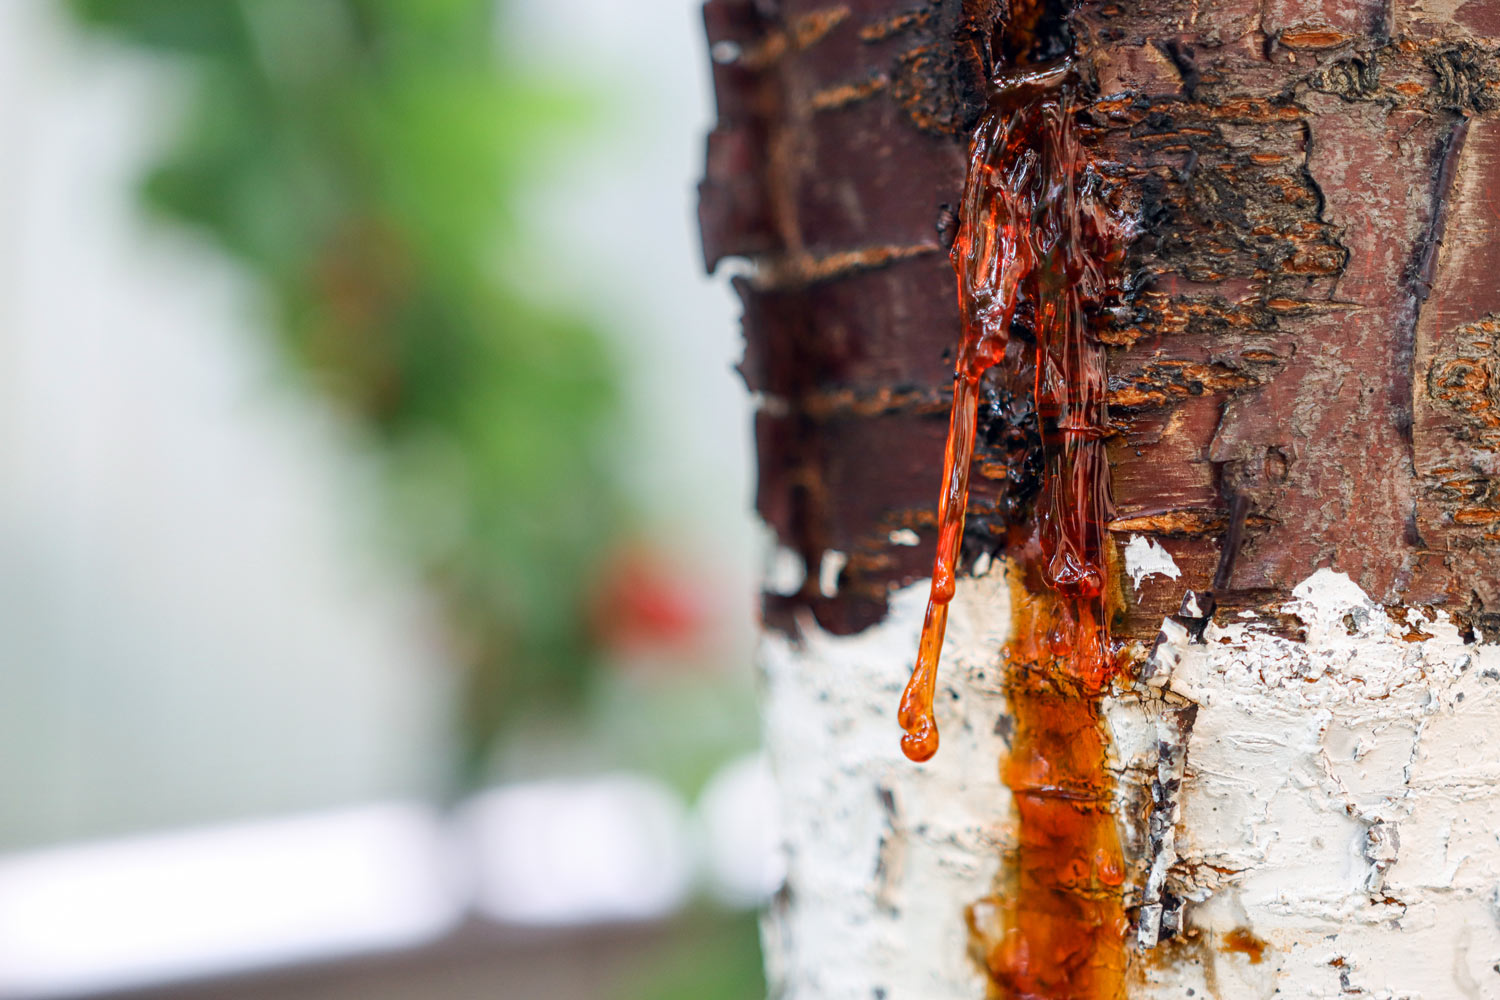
(1340, 800)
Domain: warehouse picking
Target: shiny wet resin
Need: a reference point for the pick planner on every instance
(1036, 255)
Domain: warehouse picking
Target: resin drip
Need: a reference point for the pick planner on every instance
(1036, 254)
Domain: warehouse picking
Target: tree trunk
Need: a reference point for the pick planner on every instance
(1304, 429)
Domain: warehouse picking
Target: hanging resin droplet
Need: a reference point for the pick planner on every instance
(1036, 256)
(1035, 245)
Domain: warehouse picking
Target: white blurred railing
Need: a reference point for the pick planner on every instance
(133, 912)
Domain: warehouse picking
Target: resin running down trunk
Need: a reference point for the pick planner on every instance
(1303, 373)
(1036, 249)
(1036, 255)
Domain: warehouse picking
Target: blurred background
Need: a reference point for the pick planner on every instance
(375, 550)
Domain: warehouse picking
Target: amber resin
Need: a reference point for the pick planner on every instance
(1036, 255)
(1056, 929)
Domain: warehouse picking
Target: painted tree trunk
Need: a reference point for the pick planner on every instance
(1300, 743)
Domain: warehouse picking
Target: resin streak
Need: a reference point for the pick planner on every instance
(1035, 255)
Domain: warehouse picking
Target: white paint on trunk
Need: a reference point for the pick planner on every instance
(882, 854)
(828, 571)
(1143, 557)
(1342, 803)
(785, 572)
(1340, 799)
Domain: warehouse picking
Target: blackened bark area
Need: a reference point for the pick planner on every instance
(1314, 314)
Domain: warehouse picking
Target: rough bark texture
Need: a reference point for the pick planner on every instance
(1309, 326)
(1308, 368)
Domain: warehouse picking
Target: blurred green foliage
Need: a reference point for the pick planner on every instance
(363, 159)
(715, 957)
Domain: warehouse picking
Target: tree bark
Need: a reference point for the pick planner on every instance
(1304, 381)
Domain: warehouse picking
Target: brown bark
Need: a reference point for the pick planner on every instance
(1314, 309)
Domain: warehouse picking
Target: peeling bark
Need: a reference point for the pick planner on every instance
(1305, 402)
(1314, 184)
